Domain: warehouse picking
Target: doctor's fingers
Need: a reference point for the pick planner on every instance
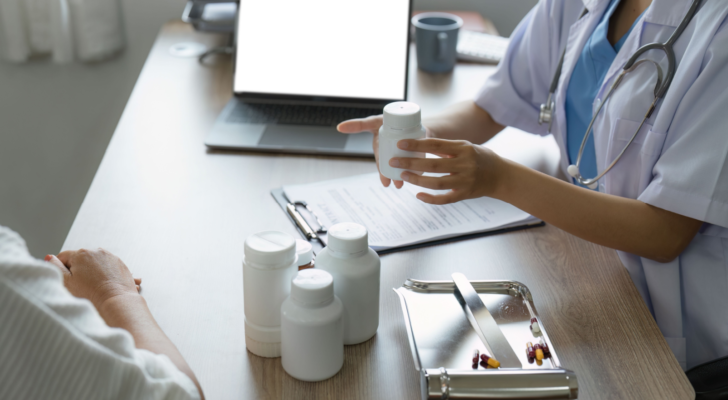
(435, 146)
(372, 124)
(442, 165)
(441, 199)
(431, 182)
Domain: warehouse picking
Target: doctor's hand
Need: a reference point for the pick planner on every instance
(474, 171)
(371, 124)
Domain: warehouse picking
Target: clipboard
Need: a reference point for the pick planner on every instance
(310, 228)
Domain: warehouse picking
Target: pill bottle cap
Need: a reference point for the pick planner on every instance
(270, 249)
(402, 115)
(312, 286)
(348, 238)
(304, 251)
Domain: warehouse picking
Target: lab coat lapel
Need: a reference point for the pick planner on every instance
(578, 35)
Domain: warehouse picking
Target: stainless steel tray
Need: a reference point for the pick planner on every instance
(442, 343)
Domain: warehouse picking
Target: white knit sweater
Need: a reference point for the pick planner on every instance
(56, 346)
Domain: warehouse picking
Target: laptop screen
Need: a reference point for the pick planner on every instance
(323, 48)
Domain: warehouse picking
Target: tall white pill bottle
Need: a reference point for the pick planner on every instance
(356, 270)
(402, 120)
(269, 267)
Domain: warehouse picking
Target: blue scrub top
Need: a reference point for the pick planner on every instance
(589, 72)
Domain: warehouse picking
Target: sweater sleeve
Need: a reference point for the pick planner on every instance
(54, 345)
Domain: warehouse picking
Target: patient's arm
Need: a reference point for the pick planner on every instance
(105, 280)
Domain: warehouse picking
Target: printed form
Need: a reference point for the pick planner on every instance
(396, 218)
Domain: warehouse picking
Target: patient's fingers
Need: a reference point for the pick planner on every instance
(65, 256)
(58, 264)
(138, 281)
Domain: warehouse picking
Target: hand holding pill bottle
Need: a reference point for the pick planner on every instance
(402, 120)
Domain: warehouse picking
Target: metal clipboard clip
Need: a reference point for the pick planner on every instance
(303, 225)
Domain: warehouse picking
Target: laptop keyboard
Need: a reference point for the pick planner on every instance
(288, 114)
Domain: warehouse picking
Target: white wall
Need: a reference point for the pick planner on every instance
(56, 121)
(505, 14)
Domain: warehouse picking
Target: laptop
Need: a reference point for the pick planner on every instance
(302, 67)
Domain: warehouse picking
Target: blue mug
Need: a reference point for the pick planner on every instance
(436, 36)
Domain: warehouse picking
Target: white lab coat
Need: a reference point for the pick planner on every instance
(678, 161)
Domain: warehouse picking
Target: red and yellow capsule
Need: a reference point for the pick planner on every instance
(545, 347)
(530, 352)
(539, 352)
(489, 361)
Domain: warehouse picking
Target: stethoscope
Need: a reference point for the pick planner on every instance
(547, 109)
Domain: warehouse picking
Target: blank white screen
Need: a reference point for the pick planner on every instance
(337, 48)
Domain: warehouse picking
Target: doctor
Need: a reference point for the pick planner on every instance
(663, 204)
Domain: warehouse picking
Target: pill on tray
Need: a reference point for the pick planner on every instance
(545, 347)
(490, 361)
(534, 325)
(539, 362)
(530, 360)
(476, 356)
(530, 352)
(475, 366)
(539, 352)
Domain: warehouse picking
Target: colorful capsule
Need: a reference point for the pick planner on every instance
(490, 361)
(539, 352)
(530, 352)
(530, 360)
(476, 357)
(534, 326)
(475, 366)
(486, 366)
(545, 347)
(539, 362)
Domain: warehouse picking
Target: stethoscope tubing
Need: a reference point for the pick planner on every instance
(660, 89)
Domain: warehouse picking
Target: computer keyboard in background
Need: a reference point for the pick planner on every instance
(481, 47)
(286, 114)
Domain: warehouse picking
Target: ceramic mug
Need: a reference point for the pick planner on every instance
(436, 36)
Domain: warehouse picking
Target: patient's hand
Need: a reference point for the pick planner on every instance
(96, 275)
(371, 124)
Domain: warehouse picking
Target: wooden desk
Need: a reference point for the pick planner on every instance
(177, 214)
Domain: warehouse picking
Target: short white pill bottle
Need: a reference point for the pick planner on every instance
(312, 329)
(268, 268)
(356, 269)
(402, 120)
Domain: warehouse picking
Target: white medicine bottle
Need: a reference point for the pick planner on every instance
(268, 268)
(402, 120)
(312, 330)
(356, 269)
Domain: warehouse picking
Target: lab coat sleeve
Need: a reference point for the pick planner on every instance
(514, 93)
(691, 176)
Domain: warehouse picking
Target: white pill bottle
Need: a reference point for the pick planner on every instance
(356, 270)
(268, 268)
(402, 120)
(312, 330)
